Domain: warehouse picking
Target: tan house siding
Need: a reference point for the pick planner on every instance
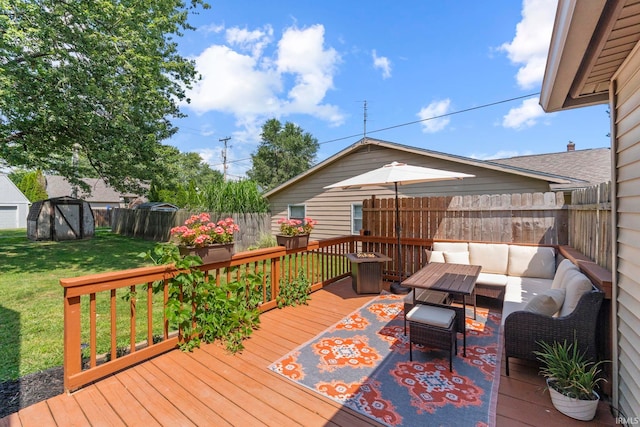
(332, 208)
(626, 152)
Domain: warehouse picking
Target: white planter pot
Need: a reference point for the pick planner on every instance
(583, 410)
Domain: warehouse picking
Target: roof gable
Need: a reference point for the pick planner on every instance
(9, 193)
(423, 152)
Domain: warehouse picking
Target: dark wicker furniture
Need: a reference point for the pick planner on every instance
(523, 330)
(432, 335)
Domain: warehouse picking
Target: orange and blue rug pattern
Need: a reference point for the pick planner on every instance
(363, 363)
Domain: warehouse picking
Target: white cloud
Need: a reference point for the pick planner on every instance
(524, 116)
(302, 53)
(211, 28)
(243, 79)
(431, 124)
(530, 46)
(250, 41)
(503, 154)
(383, 63)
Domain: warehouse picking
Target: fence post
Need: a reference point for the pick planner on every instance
(72, 345)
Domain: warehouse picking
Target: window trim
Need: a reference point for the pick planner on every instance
(353, 218)
(304, 206)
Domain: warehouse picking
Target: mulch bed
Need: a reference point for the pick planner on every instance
(30, 389)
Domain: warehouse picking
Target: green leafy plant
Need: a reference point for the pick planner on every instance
(295, 291)
(204, 311)
(568, 370)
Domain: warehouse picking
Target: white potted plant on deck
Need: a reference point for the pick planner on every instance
(572, 379)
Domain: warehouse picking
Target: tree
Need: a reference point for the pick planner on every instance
(284, 152)
(31, 184)
(100, 74)
(181, 177)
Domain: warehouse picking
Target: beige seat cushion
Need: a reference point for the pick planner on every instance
(493, 257)
(450, 246)
(563, 267)
(547, 303)
(456, 257)
(490, 279)
(532, 261)
(430, 315)
(576, 284)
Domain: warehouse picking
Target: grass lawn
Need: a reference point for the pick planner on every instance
(31, 298)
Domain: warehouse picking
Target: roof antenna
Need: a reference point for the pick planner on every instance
(364, 134)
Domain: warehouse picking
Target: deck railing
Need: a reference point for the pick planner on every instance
(115, 320)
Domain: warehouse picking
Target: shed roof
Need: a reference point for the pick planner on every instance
(58, 186)
(493, 165)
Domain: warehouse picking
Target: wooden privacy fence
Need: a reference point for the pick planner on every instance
(590, 223)
(156, 225)
(539, 218)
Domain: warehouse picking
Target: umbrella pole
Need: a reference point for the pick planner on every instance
(397, 288)
(398, 231)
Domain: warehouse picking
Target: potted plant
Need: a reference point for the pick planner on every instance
(211, 241)
(294, 233)
(572, 379)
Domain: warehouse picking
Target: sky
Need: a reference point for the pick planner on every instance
(459, 77)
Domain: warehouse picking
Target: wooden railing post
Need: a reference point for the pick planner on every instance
(72, 349)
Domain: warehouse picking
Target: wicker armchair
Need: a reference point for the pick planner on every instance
(523, 329)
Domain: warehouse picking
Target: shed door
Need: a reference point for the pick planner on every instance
(67, 221)
(8, 217)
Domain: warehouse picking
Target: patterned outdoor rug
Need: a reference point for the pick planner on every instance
(363, 363)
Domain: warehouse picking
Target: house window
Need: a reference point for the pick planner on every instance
(297, 212)
(356, 218)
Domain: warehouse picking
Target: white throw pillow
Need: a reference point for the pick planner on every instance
(563, 267)
(457, 257)
(435, 256)
(576, 284)
(547, 303)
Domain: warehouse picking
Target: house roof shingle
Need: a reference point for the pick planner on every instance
(582, 167)
(58, 186)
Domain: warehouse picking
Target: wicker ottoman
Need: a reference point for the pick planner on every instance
(433, 327)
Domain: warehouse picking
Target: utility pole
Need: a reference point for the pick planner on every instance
(224, 156)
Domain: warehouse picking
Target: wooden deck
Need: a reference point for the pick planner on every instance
(212, 388)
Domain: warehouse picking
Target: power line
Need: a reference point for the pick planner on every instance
(466, 110)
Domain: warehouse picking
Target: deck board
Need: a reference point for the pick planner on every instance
(212, 387)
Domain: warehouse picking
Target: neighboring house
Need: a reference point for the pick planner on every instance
(339, 211)
(585, 167)
(102, 196)
(594, 58)
(14, 206)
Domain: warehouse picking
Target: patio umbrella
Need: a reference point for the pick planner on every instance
(398, 174)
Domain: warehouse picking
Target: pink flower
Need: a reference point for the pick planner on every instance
(199, 230)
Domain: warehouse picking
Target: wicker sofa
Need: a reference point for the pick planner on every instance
(545, 297)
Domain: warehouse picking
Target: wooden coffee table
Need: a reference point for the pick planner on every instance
(457, 279)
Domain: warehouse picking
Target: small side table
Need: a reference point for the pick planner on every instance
(366, 271)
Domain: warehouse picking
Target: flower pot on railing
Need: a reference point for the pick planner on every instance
(210, 254)
(293, 242)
